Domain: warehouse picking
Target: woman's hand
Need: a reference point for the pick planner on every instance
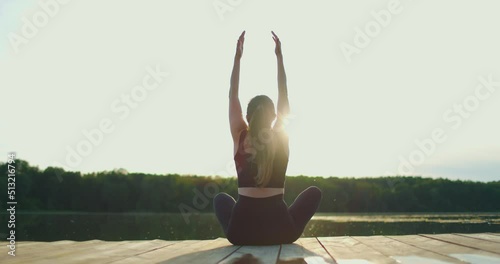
(277, 50)
(235, 114)
(239, 46)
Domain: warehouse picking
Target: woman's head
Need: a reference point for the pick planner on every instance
(260, 115)
(264, 103)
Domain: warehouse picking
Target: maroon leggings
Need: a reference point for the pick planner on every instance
(265, 221)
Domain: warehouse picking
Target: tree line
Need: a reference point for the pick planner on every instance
(54, 189)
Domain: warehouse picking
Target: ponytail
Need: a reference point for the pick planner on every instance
(263, 141)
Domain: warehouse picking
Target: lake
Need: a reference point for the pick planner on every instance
(173, 226)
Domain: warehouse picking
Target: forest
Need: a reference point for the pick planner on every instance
(54, 189)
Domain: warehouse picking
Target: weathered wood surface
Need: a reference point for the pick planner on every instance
(424, 248)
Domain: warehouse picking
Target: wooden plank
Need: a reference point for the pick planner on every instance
(183, 249)
(474, 258)
(442, 247)
(403, 252)
(307, 250)
(46, 248)
(31, 251)
(95, 250)
(449, 248)
(346, 249)
(483, 236)
(43, 251)
(65, 254)
(3, 244)
(254, 254)
(113, 251)
(24, 248)
(491, 247)
(214, 252)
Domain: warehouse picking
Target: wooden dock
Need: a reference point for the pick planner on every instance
(424, 248)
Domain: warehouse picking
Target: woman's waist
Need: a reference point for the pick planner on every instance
(257, 192)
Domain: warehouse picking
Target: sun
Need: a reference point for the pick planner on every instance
(285, 121)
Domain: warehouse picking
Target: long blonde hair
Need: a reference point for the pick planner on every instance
(260, 113)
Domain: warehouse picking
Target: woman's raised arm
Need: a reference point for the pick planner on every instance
(236, 121)
(283, 104)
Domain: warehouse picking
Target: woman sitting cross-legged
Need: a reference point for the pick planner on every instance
(260, 216)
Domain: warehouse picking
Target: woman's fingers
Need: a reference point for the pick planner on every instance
(241, 40)
(242, 36)
(278, 44)
(275, 38)
(239, 45)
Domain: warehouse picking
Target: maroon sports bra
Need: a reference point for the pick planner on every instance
(247, 169)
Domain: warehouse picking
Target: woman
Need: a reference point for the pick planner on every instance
(261, 216)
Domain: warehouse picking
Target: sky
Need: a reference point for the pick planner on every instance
(375, 87)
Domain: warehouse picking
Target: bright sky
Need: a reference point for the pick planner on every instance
(364, 88)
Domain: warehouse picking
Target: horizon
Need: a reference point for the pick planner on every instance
(377, 88)
(125, 172)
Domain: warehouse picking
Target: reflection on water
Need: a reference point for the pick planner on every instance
(473, 258)
(168, 226)
(488, 218)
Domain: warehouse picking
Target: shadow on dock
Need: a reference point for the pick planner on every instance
(295, 254)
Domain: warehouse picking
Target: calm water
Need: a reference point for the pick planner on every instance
(168, 226)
